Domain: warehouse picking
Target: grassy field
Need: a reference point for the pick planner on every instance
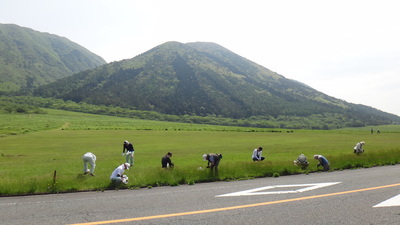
(33, 147)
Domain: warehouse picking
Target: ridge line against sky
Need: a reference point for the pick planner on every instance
(346, 49)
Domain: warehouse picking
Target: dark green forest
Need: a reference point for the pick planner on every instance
(326, 121)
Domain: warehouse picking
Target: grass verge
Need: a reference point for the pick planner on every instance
(46, 160)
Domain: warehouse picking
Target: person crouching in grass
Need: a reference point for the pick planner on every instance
(257, 154)
(213, 162)
(166, 161)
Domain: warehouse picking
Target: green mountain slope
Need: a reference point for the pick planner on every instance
(30, 58)
(202, 79)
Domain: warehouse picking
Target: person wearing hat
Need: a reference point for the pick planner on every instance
(301, 161)
(322, 162)
(117, 176)
(213, 162)
(130, 152)
(166, 161)
(91, 159)
(358, 148)
(257, 154)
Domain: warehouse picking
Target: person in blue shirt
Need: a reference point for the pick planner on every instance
(322, 162)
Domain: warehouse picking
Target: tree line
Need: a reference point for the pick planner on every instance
(326, 121)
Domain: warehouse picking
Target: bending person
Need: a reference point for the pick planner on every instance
(322, 162)
(166, 161)
(91, 159)
(213, 162)
(358, 149)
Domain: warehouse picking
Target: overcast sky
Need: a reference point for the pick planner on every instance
(348, 49)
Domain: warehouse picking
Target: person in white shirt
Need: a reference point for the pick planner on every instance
(117, 177)
(257, 154)
(91, 159)
(358, 148)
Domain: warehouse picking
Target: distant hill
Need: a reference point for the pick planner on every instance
(30, 58)
(204, 79)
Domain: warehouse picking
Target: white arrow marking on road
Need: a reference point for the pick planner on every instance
(260, 191)
(395, 201)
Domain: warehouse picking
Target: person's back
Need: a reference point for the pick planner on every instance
(322, 162)
(117, 172)
(118, 176)
(166, 161)
(302, 159)
(358, 149)
(91, 159)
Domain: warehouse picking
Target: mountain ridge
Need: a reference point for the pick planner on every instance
(30, 58)
(202, 78)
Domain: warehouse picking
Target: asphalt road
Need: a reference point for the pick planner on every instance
(340, 197)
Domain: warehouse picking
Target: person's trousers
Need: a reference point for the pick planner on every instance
(130, 157)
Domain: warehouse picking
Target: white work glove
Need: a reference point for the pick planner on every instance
(123, 154)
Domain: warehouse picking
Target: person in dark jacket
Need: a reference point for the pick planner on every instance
(130, 152)
(166, 161)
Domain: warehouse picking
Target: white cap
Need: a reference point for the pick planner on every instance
(205, 157)
(127, 165)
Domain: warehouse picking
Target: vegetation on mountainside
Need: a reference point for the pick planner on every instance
(30, 58)
(326, 121)
(194, 82)
(206, 80)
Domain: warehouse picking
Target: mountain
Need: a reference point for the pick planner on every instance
(203, 79)
(30, 58)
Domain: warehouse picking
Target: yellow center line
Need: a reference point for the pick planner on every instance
(235, 207)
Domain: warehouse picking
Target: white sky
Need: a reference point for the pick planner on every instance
(348, 49)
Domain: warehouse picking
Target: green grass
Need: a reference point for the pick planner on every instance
(56, 142)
